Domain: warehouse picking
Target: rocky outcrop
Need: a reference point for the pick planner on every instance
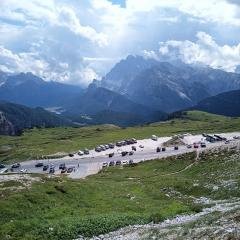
(6, 127)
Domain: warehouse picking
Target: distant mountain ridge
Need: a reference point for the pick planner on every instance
(227, 104)
(32, 91)
(14, 118)
(167, 86)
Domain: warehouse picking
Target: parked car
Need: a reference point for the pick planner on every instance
(71, 155)
(112, 163)
(131, 153)
(23, 170)
(2, 166)
(236, 137)
(227, 142)
(119, 144)
(141, 146)
(195, 145)
(154, 138)
(106, 146)
(86, 151)
(111, 145)
(134, 140)
(62, 165)
(130, 162)
(124, 162)
(158, 149)
(176, 148)
(110, 155)
(124, 153)
(189, 146)
(118, 162)
(105, 164)
(80, 153)
(16, 165)
(134, 148)
(39, 164)
(45, 167)
(51, 170)
(70, 169)
(103, 148)
(163, 149)
(64, 170)
(98, 149)
(203, 145)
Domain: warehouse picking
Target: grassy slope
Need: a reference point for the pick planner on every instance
(39, 142)
(115, 198)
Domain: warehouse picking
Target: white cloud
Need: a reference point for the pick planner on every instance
(205, 50)
(52, 38)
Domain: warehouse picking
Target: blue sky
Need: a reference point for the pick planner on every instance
(122, 3)
(75, 41)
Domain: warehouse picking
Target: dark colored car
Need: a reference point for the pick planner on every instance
(163, 149)
(2, 166)
(69, 170)
(118, 162)
(111, 145)
(45, 168)
(112, 163)
(110, 155)
(158, 149)
(86, 151)
(176, 148)
(98, 149)
(62, 166)
(16, 165)
(124, 153)
(189, 146)
(119, 144)
(134, 148)
(71, 155)
(39, 164)
(64, 170)
(51, 170)
(203, 145)
(130, 162)
(131, 153)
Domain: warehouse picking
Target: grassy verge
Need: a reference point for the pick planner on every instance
(37, 143)
(60, 208)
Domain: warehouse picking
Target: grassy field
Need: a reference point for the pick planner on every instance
(60, 208)
(36, 143)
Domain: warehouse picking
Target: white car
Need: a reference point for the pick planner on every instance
(154, 138)
(23, 170)
(105, 164)
(124, 162)
(80, 153)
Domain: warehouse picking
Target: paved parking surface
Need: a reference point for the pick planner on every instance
(90, 164)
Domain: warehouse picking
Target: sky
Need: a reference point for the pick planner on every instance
(76, 41)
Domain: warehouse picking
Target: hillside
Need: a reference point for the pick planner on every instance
(16, 117)
(151, 191)
(118, 109)
(54, 140)
(227, 104)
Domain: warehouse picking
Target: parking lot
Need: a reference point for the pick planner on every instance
(81, 165)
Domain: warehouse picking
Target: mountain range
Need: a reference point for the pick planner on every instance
(135, 91)
(167, 86)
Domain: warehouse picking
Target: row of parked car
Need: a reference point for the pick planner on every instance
(101, 148)
(117, 163)
(51, 168)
